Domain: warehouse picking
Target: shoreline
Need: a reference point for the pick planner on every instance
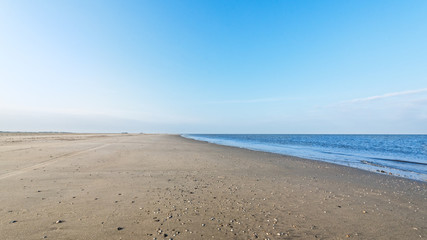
(387, 171)
(137, 186)
(323, 164)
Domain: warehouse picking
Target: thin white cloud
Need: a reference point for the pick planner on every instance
(388, 95)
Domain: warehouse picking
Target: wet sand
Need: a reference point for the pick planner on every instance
(124, 186)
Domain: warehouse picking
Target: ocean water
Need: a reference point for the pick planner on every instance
(399, 155)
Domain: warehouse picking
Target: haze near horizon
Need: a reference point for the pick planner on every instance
(214, 66)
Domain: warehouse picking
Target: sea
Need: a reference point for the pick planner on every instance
(399, 155)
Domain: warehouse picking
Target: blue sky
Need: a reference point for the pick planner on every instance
(214, 66)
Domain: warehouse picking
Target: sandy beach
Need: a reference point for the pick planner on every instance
(138, 186)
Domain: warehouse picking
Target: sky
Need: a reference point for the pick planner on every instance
(214, 66)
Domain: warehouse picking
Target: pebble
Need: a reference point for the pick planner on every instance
(120, 228)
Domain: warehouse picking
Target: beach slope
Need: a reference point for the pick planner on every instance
(125, 186)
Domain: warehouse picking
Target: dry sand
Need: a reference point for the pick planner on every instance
(71, 186)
